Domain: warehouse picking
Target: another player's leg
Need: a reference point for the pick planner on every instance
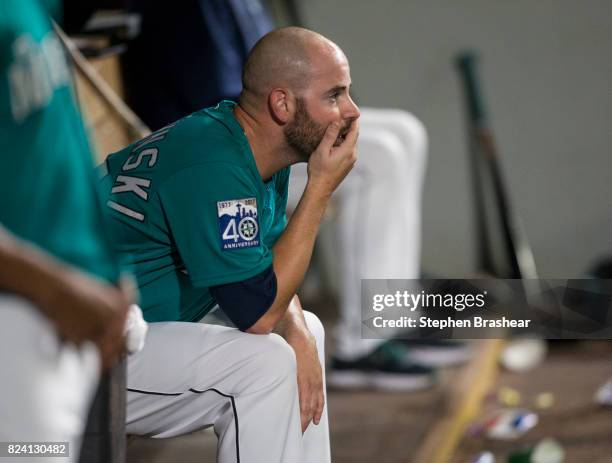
(378, 237)
(412, 135)
(48, 387)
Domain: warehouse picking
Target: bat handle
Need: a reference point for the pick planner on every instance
(466, 64)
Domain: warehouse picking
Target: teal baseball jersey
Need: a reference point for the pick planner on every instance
(191, 211)
(48, 190)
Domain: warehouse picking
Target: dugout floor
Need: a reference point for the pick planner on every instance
(572, 372)
(392, 428)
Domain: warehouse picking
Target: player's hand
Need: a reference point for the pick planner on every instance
(334, 158)
(309, 377)
(84, 308)
(111, 343)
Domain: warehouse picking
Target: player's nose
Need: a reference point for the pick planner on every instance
(351, 111)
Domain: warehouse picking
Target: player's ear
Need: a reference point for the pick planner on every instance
(281, 105)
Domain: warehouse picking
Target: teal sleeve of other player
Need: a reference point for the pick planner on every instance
(47, 188)
(217, 220)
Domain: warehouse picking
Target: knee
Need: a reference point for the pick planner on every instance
(380, 149)
(413, 131)
(315, 327)
(276, 358)
(404, 124)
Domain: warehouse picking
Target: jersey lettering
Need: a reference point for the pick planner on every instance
(136, 185)
(155, 136)
(132, 184)
(132, 163)
(36, 72)
(125, 211)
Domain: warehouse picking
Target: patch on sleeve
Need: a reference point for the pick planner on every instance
(238, 223)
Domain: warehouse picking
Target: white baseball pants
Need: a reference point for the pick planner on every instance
(46, 386)
(193, 375)
(378, 219)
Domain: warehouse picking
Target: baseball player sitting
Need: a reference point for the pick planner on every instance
(199, 214)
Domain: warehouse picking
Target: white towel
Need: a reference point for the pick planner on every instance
(135, 330)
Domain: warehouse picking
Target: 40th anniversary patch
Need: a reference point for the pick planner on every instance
(238, 223)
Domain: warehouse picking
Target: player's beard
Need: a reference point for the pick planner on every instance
(303, 134)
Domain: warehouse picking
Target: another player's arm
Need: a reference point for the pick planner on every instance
(327, 167)
(81, 307)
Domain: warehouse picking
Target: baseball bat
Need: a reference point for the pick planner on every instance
(485, 166)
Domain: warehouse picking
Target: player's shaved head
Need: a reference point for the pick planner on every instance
(286, 58)
(295, 83)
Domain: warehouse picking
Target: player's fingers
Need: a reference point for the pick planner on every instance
(127, 286)
(308, 406)
(106, 354)
(319, 409)
(111, 343)
(331, 134)
(107, 350)
(113, 354)
(305, 422)
(305, 415)
(316, 419)
(352, 135)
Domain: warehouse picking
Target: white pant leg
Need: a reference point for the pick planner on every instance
(46, 386)
(412, 135)
(316, 438)
(297, 183)
(370, 232)
(192, 375)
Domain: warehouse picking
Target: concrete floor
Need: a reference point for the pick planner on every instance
(572, 372)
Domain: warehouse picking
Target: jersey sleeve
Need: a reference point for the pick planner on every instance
(247, 301)
(212, 214)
